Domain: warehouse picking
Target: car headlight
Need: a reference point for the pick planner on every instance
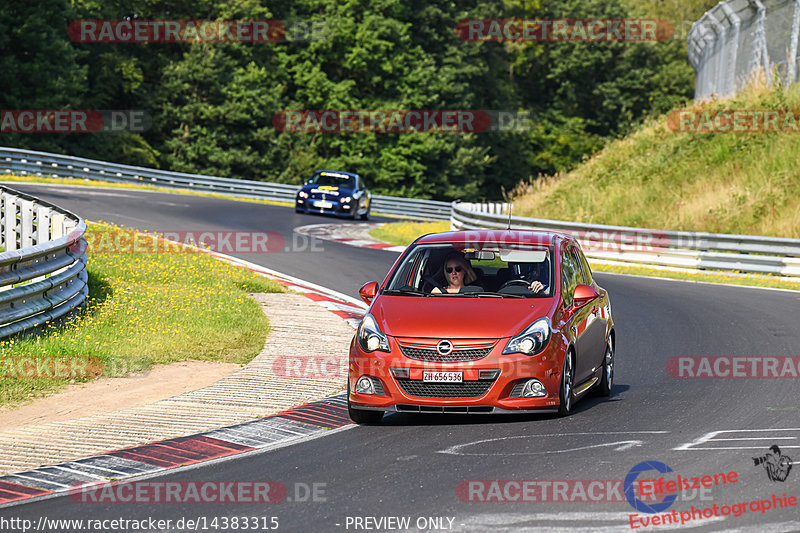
(370, 337)
(346, 200)
(302, 194)
(532, 340)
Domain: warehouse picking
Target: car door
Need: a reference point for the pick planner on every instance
(594, 336)
(571, 277)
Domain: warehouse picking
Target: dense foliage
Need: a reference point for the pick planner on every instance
(212, 104)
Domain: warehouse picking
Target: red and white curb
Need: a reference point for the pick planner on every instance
(298, 423)
(350, 234)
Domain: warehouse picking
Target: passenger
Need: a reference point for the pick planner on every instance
(458, 274)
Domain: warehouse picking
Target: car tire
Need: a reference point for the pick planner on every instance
(365, 216)
(607, 379)
(565, 396)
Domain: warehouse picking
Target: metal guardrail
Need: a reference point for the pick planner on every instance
(736, 38)
(43, 265)
(680, 249)
(31, 163)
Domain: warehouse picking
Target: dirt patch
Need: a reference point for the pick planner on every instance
(110, 394)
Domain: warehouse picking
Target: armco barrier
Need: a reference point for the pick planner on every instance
(43, 265)
(30, 163)
(678, 249)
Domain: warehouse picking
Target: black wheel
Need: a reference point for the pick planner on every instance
(365, 216)
(607, 379)
(298, 210)
(567, 380)
(360, 416)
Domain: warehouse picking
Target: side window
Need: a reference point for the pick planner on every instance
(587, 272)
(570, 274)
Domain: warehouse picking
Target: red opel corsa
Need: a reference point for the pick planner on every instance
(482, 322)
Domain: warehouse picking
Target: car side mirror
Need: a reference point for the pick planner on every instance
(368, 291)
(582, 295)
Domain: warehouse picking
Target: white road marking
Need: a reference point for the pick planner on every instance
(623, 445)
(709, 437)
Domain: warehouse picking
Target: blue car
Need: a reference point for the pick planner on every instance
(333, 192)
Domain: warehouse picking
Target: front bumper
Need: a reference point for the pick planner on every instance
(337, 208)
(413, 395)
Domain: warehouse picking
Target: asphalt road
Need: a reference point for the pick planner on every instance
(421, 466)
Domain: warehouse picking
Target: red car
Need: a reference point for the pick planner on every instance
(482, 322)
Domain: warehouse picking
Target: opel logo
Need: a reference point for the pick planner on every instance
(444, 347)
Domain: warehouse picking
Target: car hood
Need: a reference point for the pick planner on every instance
(457, 317)
(329, 190)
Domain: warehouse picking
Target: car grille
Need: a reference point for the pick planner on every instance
(455, 356)
(467, 389)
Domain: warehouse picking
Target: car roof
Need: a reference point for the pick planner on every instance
(336, 172)
(542, 238)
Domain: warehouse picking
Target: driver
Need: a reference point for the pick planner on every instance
(535, 273)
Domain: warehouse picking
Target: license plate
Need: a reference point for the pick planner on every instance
(430, 376)
(324, 204)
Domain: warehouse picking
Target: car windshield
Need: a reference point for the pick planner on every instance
(500, 270)
(337, 179)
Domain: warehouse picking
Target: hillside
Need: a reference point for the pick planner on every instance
(745, 183)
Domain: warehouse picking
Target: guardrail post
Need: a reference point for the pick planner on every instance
(56, 226)
(26, 223)
(42, 224)
(9, 223)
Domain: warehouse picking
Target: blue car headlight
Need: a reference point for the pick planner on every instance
(532, 340)
(345, 200)
(370, 336)
(302, 194)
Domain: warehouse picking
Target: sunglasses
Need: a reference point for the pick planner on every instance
(449, 270)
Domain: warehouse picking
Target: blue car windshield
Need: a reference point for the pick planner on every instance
(337, 179)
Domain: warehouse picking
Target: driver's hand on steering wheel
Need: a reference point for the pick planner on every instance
(536, 286)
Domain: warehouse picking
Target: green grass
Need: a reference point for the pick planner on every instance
(143, 309)
(403, 233)
(744, 183)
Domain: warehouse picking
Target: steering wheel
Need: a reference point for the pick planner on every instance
(515, 282)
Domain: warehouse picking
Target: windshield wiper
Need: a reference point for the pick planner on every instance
(499, 294)
(404, 292)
